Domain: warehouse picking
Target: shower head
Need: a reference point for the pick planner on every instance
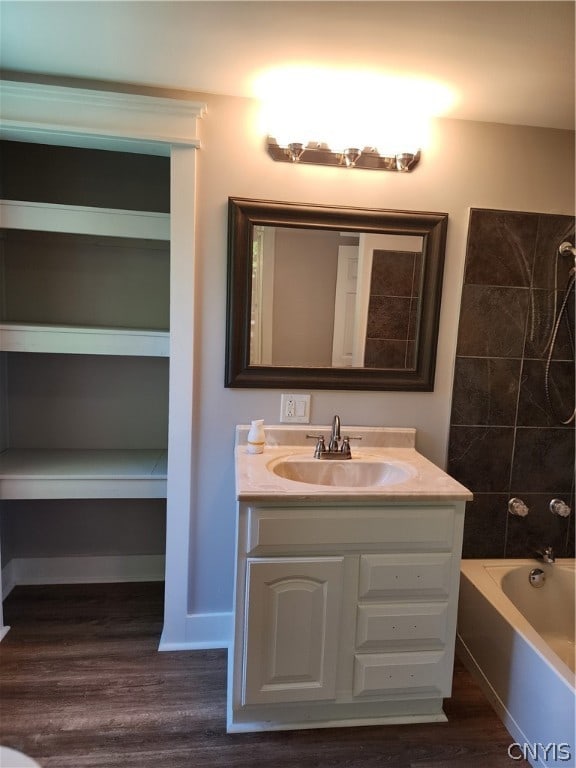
(567, 246)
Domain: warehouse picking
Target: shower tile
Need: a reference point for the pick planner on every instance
(501, 247)
(533, 407)
(543, 460)
(385, 353)
(485, 525)
(388, 317)
(417, 281)
(552, 230)
(507, 315)
(392, 273)
(480, 457)
(492, 321)
(411, 354)
(539, 529)
(485, 391)
(413, 320)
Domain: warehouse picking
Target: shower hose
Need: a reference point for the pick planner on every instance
(562, 313)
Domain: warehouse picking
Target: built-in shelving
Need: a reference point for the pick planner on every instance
(77, 340)
(83, 474)
(84, 300)
(88, 260)
(84, 220)
(140, 125)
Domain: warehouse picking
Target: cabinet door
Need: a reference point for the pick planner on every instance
(292, 629)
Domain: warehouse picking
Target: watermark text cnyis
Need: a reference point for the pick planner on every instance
(560, 753)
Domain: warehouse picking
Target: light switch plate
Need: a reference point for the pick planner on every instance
(295, 409)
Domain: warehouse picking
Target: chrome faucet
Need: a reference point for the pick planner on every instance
(546, 555)
(334, 444)
(338, 447)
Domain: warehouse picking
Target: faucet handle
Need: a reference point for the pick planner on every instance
(345, 448)
(559, 507)
(320, 445)
(517, 507)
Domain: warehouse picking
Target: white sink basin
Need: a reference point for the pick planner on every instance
(345, 474)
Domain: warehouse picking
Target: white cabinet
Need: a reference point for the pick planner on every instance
(345, 613)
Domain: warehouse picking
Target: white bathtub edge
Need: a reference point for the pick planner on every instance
(517, 734)
(476, 571)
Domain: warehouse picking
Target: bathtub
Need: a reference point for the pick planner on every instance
(518, 641)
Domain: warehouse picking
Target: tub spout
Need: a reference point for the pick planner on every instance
(546, 555)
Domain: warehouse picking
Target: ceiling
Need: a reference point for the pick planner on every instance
(509, 62)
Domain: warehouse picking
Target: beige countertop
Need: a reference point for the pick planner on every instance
(426, 483)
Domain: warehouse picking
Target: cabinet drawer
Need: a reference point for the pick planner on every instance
(405, 577)
(404, 528)
(382, 673)
(414, 626)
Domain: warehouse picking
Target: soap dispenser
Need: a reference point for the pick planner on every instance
(256, 437)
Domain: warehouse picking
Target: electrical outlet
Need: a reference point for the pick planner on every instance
(295, 409)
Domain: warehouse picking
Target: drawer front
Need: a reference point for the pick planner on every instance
(393, 673)
(414, 626)
(405, 577)
(404, 528)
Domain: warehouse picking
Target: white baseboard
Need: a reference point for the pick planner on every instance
(202, 631)
(8, 578)
(81, 570)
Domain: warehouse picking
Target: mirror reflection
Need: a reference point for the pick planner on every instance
(334, 298)
(330, 297)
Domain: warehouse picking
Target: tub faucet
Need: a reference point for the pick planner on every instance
(546, 555)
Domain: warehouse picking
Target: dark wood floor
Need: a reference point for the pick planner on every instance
(82, 685)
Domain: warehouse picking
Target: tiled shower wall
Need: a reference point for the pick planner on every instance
(505, 439)
(393, 308)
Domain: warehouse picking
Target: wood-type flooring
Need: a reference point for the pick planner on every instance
(82, 685)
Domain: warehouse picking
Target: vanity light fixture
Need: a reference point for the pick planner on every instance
(317, 153)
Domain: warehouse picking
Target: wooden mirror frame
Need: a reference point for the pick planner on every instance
(244, 214)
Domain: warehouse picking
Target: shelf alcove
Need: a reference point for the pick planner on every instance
(92, 315)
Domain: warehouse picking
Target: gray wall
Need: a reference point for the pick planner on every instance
(61, 278)
(505, 441)
(77, 527)
(305, 271)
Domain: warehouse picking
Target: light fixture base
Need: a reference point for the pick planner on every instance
(320, 154)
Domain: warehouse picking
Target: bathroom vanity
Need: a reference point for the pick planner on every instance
(347, 579)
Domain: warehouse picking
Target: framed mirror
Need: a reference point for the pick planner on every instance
(327, 297)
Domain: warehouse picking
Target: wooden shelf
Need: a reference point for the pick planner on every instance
(84, 220)
(83, 474)
(77, 340)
